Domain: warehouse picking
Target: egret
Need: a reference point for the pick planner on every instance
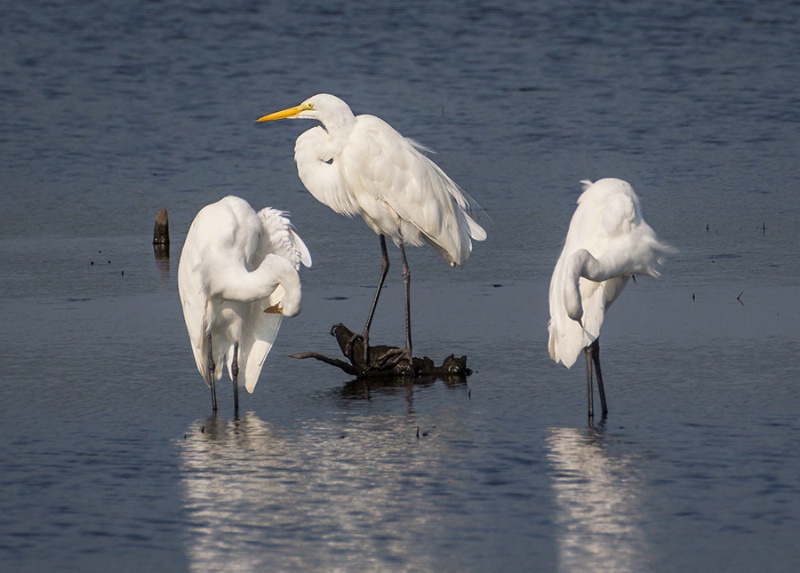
(359, 165)
(237, 278)
(608, 242)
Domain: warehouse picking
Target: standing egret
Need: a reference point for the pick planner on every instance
(608, 241)
(359, 165)
(237, 278)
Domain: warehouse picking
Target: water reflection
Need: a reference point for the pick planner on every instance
(366, 388)
(261, 497)
(598, 517)
(218, 465)
(161, 253)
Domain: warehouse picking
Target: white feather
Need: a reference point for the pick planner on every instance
(234, 264)
(608, 225)
(359, 165)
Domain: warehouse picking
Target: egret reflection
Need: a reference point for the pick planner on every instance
(307, 497)
(598, 520)
(222, 482)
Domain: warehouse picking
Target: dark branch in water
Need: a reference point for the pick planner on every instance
(384, 361)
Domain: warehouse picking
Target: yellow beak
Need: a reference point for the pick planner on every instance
(274, 309)
(283, 114)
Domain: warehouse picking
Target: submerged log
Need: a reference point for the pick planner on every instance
(384, 361)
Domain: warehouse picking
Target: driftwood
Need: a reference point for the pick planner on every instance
(384, 361)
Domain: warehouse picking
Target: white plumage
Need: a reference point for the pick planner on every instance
(607, 242)
(359, 165)
(237, 277)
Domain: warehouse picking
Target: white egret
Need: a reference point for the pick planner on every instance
(608, 241)
(359, 165)
(237, 278)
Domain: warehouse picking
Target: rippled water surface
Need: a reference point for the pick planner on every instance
(110, 459)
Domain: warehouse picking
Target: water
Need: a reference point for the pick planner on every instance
(109, 459)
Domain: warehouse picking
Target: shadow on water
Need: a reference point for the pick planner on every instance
(597, 499)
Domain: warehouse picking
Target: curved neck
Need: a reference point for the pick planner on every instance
(582, 264)
(237, 284)
(338, 125)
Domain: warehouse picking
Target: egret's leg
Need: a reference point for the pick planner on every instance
(600, 389)
(590, 391)
(235, 372)
(384, 271)
(407, 285)
(211, 375)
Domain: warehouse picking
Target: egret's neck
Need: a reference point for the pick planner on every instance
(341, 124)
(338, 129)
(572, 292)
(237, 284)
(581, 265)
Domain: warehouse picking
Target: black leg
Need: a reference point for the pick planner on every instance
(211, 367)
(590, 391)
(592, 353)
(407, 285)
(384, 271)
(235, 372)
(600, 389)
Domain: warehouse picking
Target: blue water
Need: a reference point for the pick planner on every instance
(109, 458)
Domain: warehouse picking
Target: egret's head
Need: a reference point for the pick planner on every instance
(284, 308)
(325, 108)
(304, 111)
(290, 305)
(274, 309)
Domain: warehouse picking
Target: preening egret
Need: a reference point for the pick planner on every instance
(359, 165)
(237, 278)
(608, 241)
